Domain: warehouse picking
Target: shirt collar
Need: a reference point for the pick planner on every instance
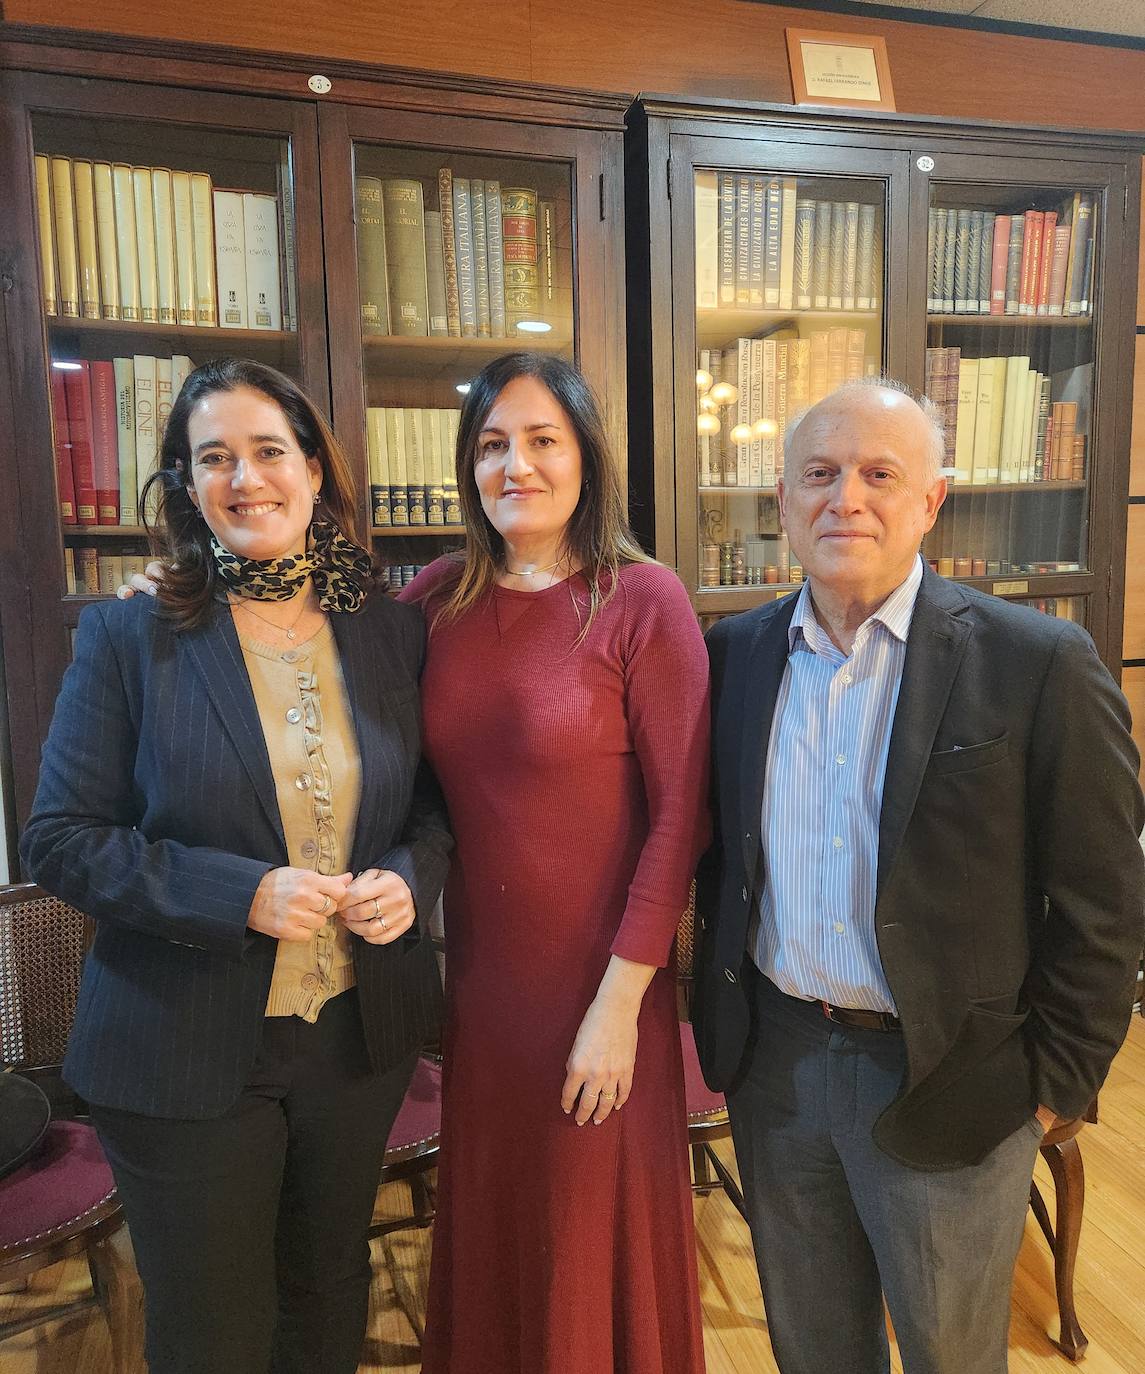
(895, 614)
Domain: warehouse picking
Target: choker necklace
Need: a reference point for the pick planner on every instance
(291, 632)
(532, 572)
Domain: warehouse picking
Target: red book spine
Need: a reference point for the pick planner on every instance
(77, 384)
(1042, 298)
(62, 439)
(105, 442)
(1031, 260)
(998, 262)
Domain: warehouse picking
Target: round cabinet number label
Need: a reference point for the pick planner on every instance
(924, 164)
(319, 84)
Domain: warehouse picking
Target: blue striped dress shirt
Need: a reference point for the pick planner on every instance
(814, 933)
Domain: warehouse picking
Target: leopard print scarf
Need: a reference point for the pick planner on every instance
(341, 571)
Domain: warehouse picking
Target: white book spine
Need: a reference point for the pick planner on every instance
(88, 250)
(707, 241)
(755, 450)
(146, 445)
(203, 233)
(145, 240)
(787, 245)
(396, 447)
(45, 235)
(126, 243)
(181, 369)
(105, 237)
(164, 211)
(184, 249)
(125, 425)
(434, 468)
(263, 291)
(64, 218)
(230, 259)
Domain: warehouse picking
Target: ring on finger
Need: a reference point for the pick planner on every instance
(377, 910)
(381, 921)
(607, 1097)
(325, 907)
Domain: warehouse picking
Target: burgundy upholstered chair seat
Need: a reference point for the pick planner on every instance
(418, 1123)
(702, 1102)
(64, 1181)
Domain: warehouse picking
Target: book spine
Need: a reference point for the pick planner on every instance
(164, 399)
(856, 351)
(203, 237)
(125, 440)
(145, 242)
(287, 251)
(451, 420)
(1088, 268)
(1075, 280)
(936, 244)
(434, 468)
(378, 463)
(263, 282)
(773, 237)
(186, 292)
(546, 253)
(373, 289)
(1045, 263)
(70, 570)
(480, 258)
(105, 240)
(998, 259)
(1014, 265)
(87, 569)
(798, 376)
(146, 434)
(850, 253)
(435, 276)
(835, 260)
(105, 443)
(77, 385)
(163, 210)
(973, 261)
(1032, 258)
(744, 416)
(87, 247)
(821, 258)
(62, 444)
(230, 259)
(519, 239)
(126, 241)
(181, 369)
(961, 262)
(966, 404)
(415, 464)
(804, 249)
(449, 251)
(836, 357)
(44, 235)
(1043, 418)
(727, 237)
(755, 414)
(865, 268)
(985, 262)
(110, 570)
(404, 214)
(466, 276)
(67, 253)
(396, 449)
(783, 350)
(757, 242)
(788, 202)
(769, 379)
(818, 368)
(950, 248)
(496, 252)
(743, 242)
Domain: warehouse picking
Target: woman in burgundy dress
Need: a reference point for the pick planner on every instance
(566, 717)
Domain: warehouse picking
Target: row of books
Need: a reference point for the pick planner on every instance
(760, 560)
(761, 385)
(475, 267)
(1001, 424)
(1038, 262)
(762, 246)
(107, 420)
(413, 480)
(963, 565)
(92, 571)
(394, 576)
(155, 246)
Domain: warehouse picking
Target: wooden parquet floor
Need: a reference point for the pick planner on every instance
(1110, 1274)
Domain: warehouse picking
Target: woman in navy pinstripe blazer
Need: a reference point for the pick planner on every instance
(231, 788)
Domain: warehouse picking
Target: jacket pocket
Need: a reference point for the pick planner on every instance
(966, 757)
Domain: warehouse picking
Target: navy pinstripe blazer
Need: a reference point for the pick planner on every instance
(156, 814)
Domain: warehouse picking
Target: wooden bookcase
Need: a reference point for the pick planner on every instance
(1056, 541)
(267, 125)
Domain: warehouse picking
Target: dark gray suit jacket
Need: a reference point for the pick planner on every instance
(156, 814)
(1009, 900)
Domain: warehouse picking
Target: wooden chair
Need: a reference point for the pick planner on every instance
(707, 1111)
(62, 1202)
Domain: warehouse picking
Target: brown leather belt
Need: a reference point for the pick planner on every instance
(862, 1020)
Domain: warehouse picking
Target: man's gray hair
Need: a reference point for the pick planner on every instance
(936, 446)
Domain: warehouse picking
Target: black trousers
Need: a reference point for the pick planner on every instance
(250, 1229)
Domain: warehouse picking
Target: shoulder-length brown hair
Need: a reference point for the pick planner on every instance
(597, 536)
(178, 534)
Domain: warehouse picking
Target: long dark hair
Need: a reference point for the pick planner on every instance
(178, 534)
(597, 536)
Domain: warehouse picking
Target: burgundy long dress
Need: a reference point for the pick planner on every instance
(575, 779)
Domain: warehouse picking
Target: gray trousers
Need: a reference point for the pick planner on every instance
(837, 1224)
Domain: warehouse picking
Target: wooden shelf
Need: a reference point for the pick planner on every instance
(717, 328)
(104, 531)
(453, 359)
(416, 531)
(754, 491)
(1015, 321)
(70, 324)
(971, 489)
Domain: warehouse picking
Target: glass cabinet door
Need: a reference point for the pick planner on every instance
(161, 244)
(1013, 329)
(460, 257)
(790, 301)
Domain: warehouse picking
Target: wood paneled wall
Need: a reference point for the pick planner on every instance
(721, 48)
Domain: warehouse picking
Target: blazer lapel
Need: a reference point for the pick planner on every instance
(766, 662)
(935, 646)
(215, 652)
